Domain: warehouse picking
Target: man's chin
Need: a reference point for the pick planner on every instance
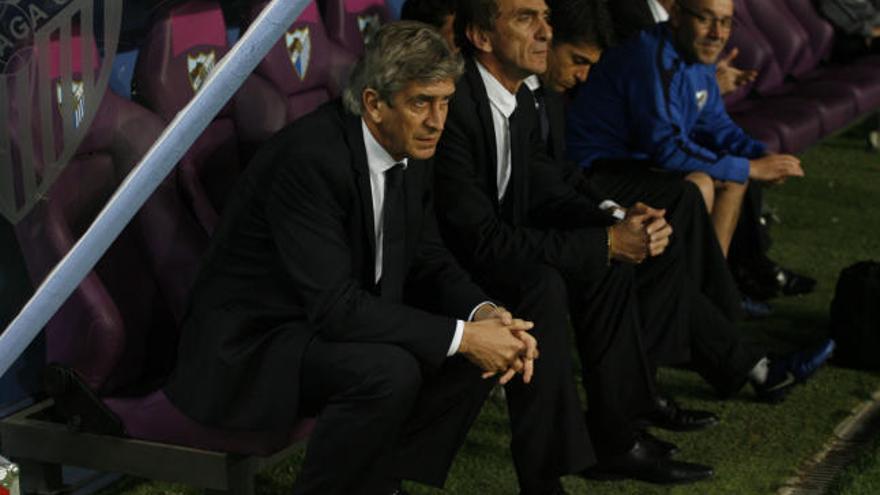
(423, 153)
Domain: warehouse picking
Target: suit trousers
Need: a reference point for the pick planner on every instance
(751, 241)
(628, 182)
(606, 323)
(687, 298)
(382, 417)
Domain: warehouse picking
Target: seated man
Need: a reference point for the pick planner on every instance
(654, 102)
(437, 13)
(631, 16)
(758, 277)
(304, 303)
(542, 245)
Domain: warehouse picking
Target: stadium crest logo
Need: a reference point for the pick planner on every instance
(299, 49)
(199, 67)
(368, 24)
(53, 75)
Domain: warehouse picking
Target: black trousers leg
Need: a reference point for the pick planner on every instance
(616, 372)
(447, 405)
(719, 352)
(363, 393)
(751, 241)
(549, 436)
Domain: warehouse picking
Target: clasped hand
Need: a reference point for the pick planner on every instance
(498, 343)
(643, 233)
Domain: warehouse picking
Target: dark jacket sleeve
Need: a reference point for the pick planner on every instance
(473, 225)
(308, 209)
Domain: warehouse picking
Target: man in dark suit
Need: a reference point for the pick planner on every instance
(505, 208)
(306, 304)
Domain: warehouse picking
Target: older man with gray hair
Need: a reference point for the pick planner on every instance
(328, 292)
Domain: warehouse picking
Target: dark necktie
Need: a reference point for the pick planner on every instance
(542, 113)
(394, 235)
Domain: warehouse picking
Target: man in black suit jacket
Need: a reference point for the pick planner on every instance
(305, 303)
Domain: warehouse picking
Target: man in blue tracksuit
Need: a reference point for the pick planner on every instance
(653, 102)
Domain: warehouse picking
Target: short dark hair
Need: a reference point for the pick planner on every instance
(433, 12)
(581, 21)
(397, 54)
(478, 13)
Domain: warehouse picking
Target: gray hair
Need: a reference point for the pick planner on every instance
(397, 54)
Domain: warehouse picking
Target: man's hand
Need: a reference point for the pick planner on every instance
(496, 347)
(729, 77)
(775, 168)
(644, 232)
(487, 311)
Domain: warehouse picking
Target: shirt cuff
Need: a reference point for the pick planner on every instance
(613, 209)
(456, 339)
(459, 329)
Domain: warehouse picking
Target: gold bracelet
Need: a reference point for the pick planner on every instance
(610, 245)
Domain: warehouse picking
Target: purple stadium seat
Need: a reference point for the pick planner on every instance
(792, 107)
(863, 76)
(305, 66)
(183, 45)
(780, 125)
(350, 22)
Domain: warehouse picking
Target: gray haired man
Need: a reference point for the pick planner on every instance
(328, 292)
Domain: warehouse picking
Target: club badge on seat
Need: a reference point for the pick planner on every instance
(78, 90)
(299, 49)
(368, 24)
(199, 67)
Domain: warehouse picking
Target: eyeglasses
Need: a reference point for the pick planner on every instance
(706, 20)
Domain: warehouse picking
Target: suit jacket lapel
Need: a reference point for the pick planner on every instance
(484, 114)
(355, 138)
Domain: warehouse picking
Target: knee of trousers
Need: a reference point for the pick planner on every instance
(545, 292)
(546, 283)
(691, 198)
(392, 377)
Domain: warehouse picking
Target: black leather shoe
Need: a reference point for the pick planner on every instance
(793, 284)
(639, 464)
(656, 447)
(766, 280)
(669, 416)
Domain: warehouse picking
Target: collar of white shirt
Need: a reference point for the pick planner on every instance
(532, 82)
(658, 11)
(378, 159)
(499, 96)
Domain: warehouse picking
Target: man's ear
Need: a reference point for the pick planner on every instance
(371, 100)
(479, 38)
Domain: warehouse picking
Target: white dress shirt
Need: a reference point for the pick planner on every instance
(503, 103)
(380, 161)
(658, 11)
